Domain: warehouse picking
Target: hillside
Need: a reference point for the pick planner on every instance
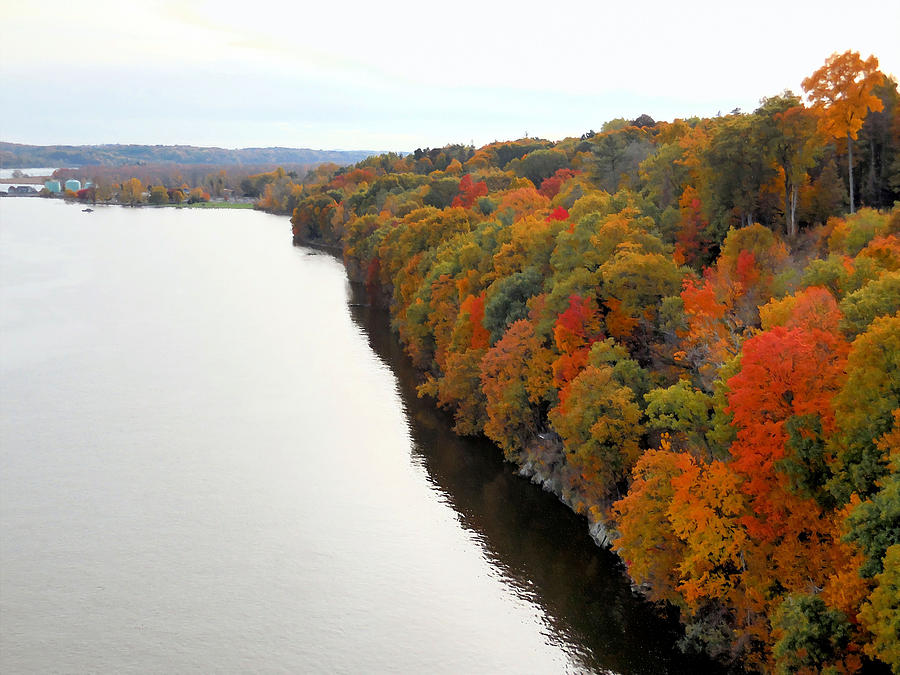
(688, 330)
(15, 155)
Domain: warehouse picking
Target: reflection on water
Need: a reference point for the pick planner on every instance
(207, 468)
(541, 548)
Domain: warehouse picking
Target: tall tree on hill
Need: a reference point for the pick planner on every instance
(789, 132)
(842, 93)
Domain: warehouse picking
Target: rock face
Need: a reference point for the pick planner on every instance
(542, 463)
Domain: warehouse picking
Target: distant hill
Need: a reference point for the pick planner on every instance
(15, 155)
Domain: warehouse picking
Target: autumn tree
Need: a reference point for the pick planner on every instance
(785, 374)
(646, 541)
(689, 239)
(132, 192)
(706, 513)
(469, 192)
(515, 377)
(158, 195)
(575, 330)
(781, 405)
(842, 92)
(599, 422)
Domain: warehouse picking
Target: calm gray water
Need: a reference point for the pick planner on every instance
(209, 463)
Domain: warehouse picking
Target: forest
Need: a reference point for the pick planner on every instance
(688, 330)
(17, 155)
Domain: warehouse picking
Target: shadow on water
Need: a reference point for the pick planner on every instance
(541, 547)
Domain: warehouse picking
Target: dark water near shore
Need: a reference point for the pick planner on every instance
(211, 463)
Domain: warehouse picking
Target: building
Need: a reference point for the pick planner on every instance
(53, 186)
(73, 185)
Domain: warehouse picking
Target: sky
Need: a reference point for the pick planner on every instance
(401, 75)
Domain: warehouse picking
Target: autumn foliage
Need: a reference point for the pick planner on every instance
(681, 330)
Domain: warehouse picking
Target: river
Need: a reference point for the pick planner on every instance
(212, 460)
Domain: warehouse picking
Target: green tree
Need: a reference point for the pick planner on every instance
(880, 297)
(789, 131)
(812, 635)
(540, 164)
(506, 300)
(881, 614)
(159, 195)
(736, 164)
(599, 423)
(681, 411)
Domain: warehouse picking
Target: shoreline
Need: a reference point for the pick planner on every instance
(195, 205)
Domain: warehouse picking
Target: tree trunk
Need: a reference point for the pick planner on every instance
(850, 168)
(793, 211)
(874, 186)
(788, 215)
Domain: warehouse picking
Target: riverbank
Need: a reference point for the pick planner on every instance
(247, 465)
(185, 205)
(542, 460)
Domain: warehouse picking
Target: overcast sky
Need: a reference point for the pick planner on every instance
(401, 75)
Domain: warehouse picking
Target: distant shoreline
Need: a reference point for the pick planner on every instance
(195, 205)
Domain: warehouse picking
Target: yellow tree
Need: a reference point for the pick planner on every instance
(132, 191)
(842, 92)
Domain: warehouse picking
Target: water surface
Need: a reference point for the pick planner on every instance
(211, 463)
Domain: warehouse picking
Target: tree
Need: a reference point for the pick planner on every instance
(198, 195)
(735, 167)
(705, 512)
(599, 423)
(880, 135)
(515, 377)
(634, 284)
(469, 192)
(789, 130)
(864, 409)
(132, 192)
(877, 298)
(159, 195)
(841, 91)
(881, 614)
(459, 391)
(812, 635)
(681, 411)
(506, 300)
(575, 330)
(442, 192)
(617, 155)
(551, 186)
(689, 240)
(875, 523)
(646, 541)
(541, 164)
(785, 373)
